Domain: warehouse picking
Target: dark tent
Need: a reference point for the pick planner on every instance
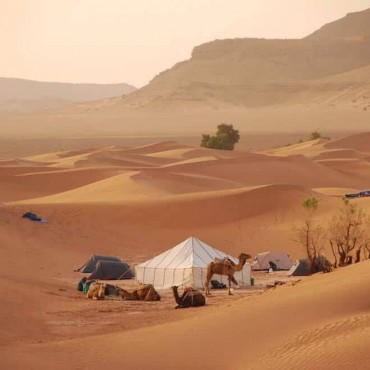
(89, 266)
(111, 270)
(302, 267)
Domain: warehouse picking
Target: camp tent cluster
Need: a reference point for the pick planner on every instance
(183, 265)
(186, 265)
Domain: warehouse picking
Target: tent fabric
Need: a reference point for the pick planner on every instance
(302, 266)
(281, 260)
(186, 265)
(111, 270)
(89, 266)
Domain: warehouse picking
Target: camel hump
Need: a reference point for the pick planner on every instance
(143, 286)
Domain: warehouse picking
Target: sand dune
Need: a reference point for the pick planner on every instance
(337, 154)
(359, 142)
(137, 202)
(39, 183)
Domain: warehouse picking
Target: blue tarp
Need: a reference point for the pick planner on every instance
(33, 217)
(365, 193)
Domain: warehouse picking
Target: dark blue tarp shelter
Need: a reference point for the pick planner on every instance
(111, 270)
(89, 266)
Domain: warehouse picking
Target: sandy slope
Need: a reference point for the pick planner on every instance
(137, 202)
(286, 328)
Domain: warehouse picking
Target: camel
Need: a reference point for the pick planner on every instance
(145, 292)
(225, 267)
(96, 290)
(189, 298)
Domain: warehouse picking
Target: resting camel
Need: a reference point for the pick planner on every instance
(96, 290)
(145, 292)
(225, 267)
(190, 298)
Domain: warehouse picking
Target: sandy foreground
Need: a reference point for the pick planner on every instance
(136, 202)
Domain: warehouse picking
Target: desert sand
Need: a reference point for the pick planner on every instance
(135, 202)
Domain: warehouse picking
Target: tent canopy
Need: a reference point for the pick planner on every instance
(111, 270)
(281, 259)
(302, 266)
(90, 264)
(186, 265)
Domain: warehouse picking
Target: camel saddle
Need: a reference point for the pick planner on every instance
(225, 261)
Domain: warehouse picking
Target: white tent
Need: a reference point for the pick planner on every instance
(281, 259)
(186, 265)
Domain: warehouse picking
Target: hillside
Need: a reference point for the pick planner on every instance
(318, 83)
(261, 72)
(353, 26)
(26, 95)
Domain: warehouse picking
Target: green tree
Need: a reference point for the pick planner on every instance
(226, 137)
(315, 135)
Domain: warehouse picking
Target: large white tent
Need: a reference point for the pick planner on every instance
(281, 259)
(186, 265)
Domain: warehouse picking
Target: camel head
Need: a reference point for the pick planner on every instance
(101, 290)
(154, 294)
(117, 290)
(244, 257)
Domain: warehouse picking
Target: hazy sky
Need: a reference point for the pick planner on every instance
(109, 41)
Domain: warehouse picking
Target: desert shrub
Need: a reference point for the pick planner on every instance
(226, 137)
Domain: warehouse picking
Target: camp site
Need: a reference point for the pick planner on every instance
(185, 185)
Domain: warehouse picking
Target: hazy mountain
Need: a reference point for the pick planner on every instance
(23, 95)
(320, 82)
(353, 26)
(260, 72)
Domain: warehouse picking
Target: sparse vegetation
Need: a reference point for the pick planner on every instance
(348, 234)
(314, 136)
(225, 138)
(310, 234)
(59, 149)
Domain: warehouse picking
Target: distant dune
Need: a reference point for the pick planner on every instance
(26, 95)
